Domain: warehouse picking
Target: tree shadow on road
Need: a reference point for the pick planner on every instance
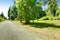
(43, 25)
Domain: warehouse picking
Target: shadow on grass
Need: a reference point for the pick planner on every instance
(43, 25)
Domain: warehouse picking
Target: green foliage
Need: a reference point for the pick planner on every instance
(2, 15)
(12, 17)
(41, 14)
(58, 12)
(52, 7)
(28, 9)
(12, 10)
(1, 19)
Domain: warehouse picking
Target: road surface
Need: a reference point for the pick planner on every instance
(9, 31)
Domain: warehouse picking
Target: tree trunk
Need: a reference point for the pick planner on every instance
(27, 21)
(21, 20)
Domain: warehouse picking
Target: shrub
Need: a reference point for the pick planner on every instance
(46, 18)
(1, 19)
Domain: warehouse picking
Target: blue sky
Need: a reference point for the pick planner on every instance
(5, 4)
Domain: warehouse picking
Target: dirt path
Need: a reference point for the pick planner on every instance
(9, 31)
(43, 33)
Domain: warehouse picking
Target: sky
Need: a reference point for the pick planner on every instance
(5, 4)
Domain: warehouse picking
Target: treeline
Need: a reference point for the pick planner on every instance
(12, 13)
(26, 10)
(2, 17)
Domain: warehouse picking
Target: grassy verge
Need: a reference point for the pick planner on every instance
(46, 23)
(47, 30)
(1, 19)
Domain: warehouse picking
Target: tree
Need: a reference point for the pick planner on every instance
(2, 15)
(12, 17)
(12, 10)
(52, 7)
(28, 9)
(58, 12)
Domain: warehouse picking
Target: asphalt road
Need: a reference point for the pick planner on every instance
(9, 31)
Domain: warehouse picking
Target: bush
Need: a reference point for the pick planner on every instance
(1, 19)
(46, 18)
(12, 17)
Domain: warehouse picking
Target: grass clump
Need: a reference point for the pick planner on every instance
(1, 19)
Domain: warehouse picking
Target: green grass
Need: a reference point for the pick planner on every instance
(45, 23)
(1, 19)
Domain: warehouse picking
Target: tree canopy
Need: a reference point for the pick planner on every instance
(26, 10)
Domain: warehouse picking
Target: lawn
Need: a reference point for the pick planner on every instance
(45, 24)
(47, 30)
